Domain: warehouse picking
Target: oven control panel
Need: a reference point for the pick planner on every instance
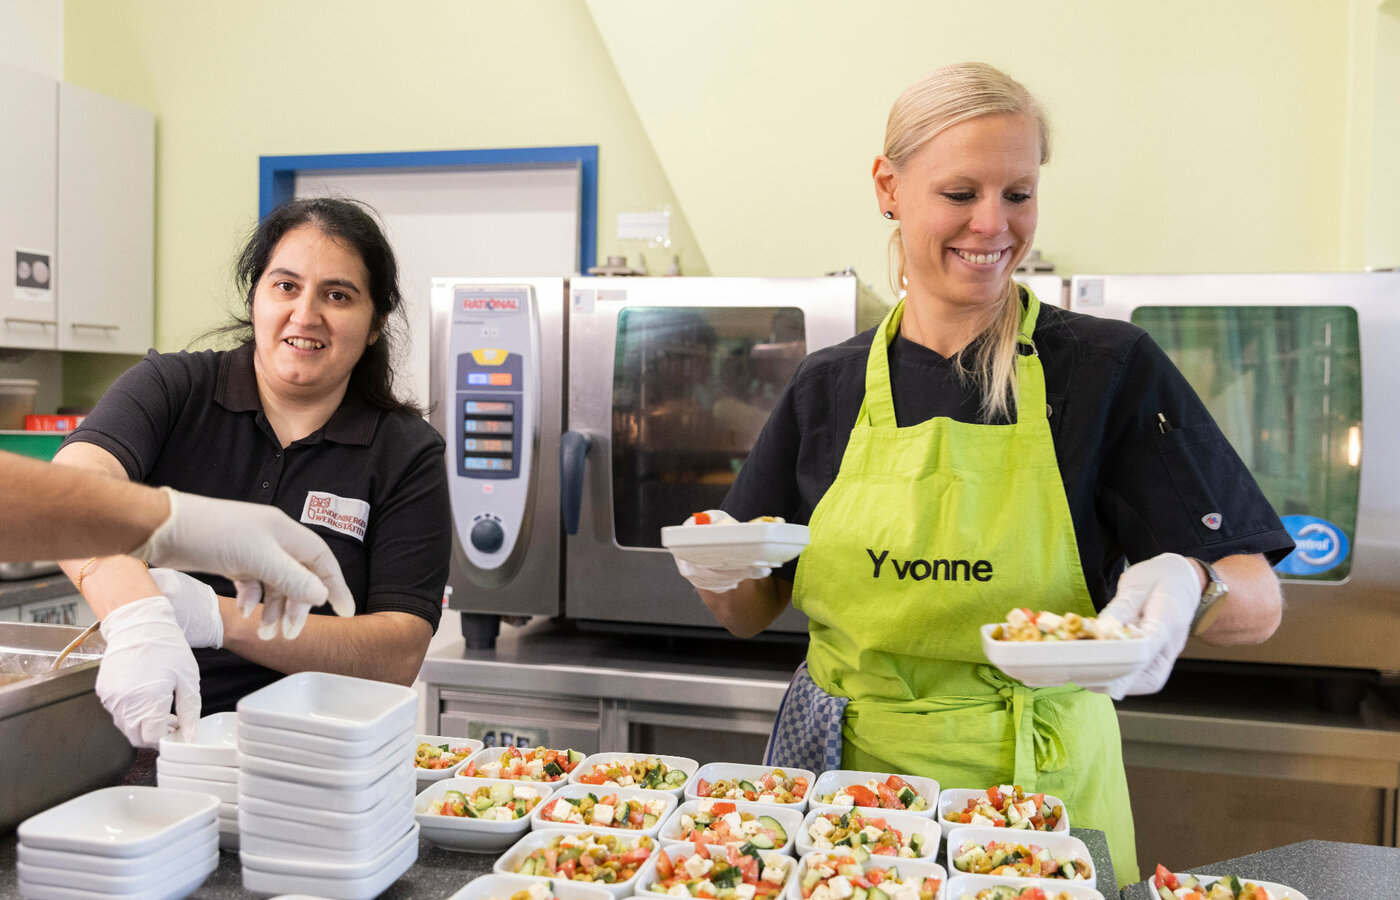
(494, 398)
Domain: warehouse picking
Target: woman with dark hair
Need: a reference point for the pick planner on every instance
(301, 415)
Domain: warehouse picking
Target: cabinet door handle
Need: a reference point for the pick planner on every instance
(44, 322)
(92, 325)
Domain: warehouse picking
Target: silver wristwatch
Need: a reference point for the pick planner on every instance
(1212, 599)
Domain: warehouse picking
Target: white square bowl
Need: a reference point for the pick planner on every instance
(427, 776)
(1088, 663)
(334, 706)
(788, 818)
(179, 882)
(710, 773)
(1058, 844)
(906, 825)
(491, 755)
(1278, 891)
(830, 783)
(520, 851)
(736, 544)
(660, 803)
(120, 821)
(79, 878)
(327, 820)
(677, 854)
(475, 835)
(259, 751)
(226, 792)
(186, 847)
(956, 799)
(907, 868)
(214, 743)
(500, 887)
(308, 796)
(364, 866)
(395, 759)
(593, 765)
(358, 883)
(960, 886)
(334, 750)
(226, 774)
(266, 836)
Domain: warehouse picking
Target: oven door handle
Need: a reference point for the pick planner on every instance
(573, 451)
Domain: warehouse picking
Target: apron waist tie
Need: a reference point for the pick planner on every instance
(1039, 747)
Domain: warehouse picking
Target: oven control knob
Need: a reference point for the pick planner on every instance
(487, 536)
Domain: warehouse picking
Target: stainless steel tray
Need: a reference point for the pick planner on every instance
(58, 740)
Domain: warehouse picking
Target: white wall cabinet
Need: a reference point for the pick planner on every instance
(106, 223)
(28, 213)
(77, 194)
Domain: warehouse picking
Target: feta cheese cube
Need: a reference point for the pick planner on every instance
(535, 767)
(842, 798)
(603, 814)
(696, 865)
(744, 891)
(840, 887)
(733, 820)
(979, 819)
(821, 827)
(871, 834)
(679, 890)
(523, 792)
(821, 892)
(501, 814)
(774, 873)
(1047, 622)
(750, 828)
(538, 891)
(687, 824)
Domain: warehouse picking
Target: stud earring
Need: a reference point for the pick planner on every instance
(888, 214)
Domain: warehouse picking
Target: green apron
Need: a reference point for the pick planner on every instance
(927, 533)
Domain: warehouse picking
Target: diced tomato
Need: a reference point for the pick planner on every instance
(884, 850)
(702, 788)
(799, 787)
(994, 797)
(720, 809)
(878, 822)
(591, 778)
(634, 856)
(861, 881)
(663, 864)
(875, 876)
(898, 784)
(701, 850)
(1165, 878)
(551, 857)
(567, 869)
(888, 798)
(748, 867)
(702, 518)
(586, 861)
(470, 769)
(634, 818)
(863, 795)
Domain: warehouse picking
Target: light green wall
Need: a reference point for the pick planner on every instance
(1195, 136)
(232, 81)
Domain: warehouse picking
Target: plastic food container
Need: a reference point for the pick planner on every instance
(829, 783)
(1090, 663)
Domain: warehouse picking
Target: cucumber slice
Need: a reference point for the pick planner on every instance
(761, 842)
(748, 786)
(916, 843)
(675, 778)
(860, 853)
(648, 820)
(575, 757)
(906, 796)
(876, 894)
(773, 825)
(553, 769)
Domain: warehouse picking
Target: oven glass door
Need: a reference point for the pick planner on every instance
(1284, 385)
(692, 388)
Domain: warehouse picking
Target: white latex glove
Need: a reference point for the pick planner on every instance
(196, 607)
(146, 666)
(719, 580)
(1159, 595)
(269, 557)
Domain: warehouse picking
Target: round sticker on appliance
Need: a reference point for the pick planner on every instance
(1322, 546)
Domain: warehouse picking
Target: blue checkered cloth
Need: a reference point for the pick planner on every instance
(807, 731)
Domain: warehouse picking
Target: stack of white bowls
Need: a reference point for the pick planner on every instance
(120, 843)
(326, 786)
(207, 762)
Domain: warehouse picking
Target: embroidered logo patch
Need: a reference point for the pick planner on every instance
(1211, 521)
(344, 514)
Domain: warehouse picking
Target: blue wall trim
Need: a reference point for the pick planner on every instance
(277, 176)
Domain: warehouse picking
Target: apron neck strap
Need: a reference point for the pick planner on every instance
(877, 409)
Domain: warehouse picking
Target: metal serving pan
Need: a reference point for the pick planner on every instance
(58, 740)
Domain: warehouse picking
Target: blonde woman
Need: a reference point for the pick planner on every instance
(981, 451)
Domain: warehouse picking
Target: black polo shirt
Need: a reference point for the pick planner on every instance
(372, 483)
(1134, 490)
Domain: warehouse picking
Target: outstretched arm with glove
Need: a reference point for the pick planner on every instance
(1162, 596)
(744, 599)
